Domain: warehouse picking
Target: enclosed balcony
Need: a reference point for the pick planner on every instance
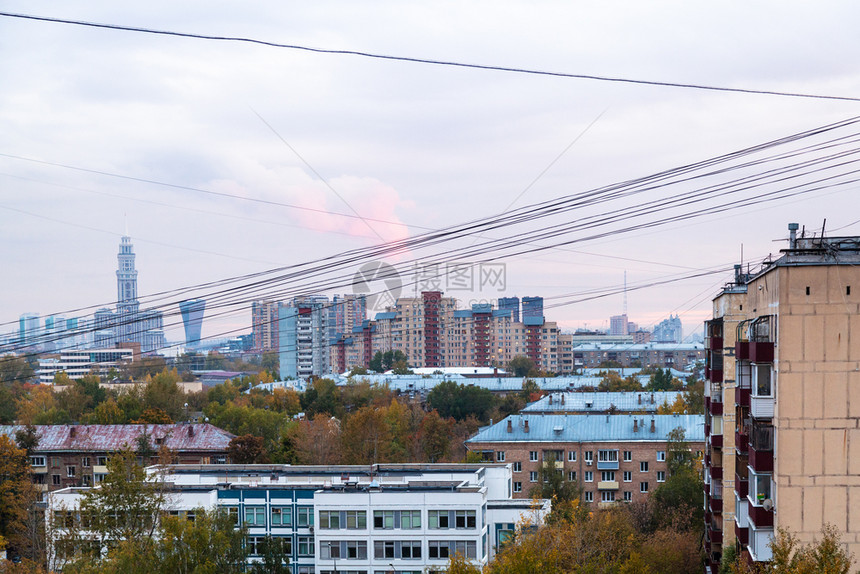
(762, 397)
(742, 487)
(761, 448)
(762, 336)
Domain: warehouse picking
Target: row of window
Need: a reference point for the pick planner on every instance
(643, 467)
(588, 456)
(86, 462)
(304, 545)
(395, 549)
(643, 487)
(355, 519)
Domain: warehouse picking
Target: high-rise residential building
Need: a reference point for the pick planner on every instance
(130, 324)
(619, 325)
(510, 305)
(781, 380)
(345, 313)
(533, 310)
(303, 337)
(29, 328)
(192, 319)
(669, 330)
(264, 326)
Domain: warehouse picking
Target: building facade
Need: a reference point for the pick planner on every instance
(615, 458)
(76, 455)
(192, 319)
(304, 349)
(796, 324)
(78, 364)
(384, 518)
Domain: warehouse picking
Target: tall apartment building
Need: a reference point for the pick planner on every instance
(264, 326)
(345, 313)
(615, 458)
(792, 376)
(619, 325)
(669, 330)
(304, 347)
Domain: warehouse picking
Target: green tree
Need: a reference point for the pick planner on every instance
(271, 362)
(322, 397)
(521, 366)
(275, 559)
(15, 369)
(460, 401)
(27, 439)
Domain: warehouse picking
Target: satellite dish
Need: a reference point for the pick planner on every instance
(767, 504)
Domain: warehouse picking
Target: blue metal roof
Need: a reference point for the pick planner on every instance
(591, 428)
(386, 315)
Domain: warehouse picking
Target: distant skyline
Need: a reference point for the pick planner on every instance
(407, 146)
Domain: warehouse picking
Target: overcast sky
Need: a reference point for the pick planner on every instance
(414, 145)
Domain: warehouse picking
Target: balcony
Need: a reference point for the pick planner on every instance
(716, 472)
(741, 442)
(742, 397)
(761, 407)
(716, 408)
(761, 460)
(758, 516)
(742, 350)
(761, 351)
(716, 440)
(761, 448)
(607, 465)
(608, 485)
(742, 535)
(742, 481)
(100, 469)
(715, 343)
(716, 505)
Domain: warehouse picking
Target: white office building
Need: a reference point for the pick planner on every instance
(400, 518)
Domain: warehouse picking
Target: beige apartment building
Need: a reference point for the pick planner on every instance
(793, 375)
(615, 458)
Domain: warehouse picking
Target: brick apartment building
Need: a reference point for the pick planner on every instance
(783, 389)
(614, 457)
(76, 455)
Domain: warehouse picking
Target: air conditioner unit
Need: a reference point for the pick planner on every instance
(587, 463)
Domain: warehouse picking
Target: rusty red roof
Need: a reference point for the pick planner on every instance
(106, 438)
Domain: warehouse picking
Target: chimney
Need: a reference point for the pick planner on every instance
(72, 431)
(652, 398)
(792, 235)
(562, 398)
(510, 425)
(640, 398)
(190, 430)
(525, 425)
(635, 425)
(738, 268)
(653, 426)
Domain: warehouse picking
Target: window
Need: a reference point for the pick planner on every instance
(607, 456)
(356, 519)
(305, 570)
(588, 496)
(37, 461)
(589, 476)
(85, 462)
(55, 479)
(628, 476)
(304, 516)
(553, 455)
(607, 476)
(643, 466)
(330, 549)
(410, 550)
(661, 476)
(254, 545)
(518, 467)
(282, 516)
(410, 519)
(383, 519)
(70, 471)
(101, 460)
(255, 515)
(588, 456)
(232, 512)
(533, 455)
(443, 549)
(533, 476)
(438, 519)
(643, 487)
(571, 476)
(628, 456)
(500, 456)
(571, 456)
(759, 488)
(518, 487)
(464, 519)
(306, 545)
(383, 549)
(607, 496)
(628, 496)
(329, 519)
(661, 456)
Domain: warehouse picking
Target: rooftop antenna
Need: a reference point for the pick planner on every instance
(125, 217)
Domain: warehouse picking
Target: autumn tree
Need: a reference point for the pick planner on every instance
(317, 441)
(789, 556)
(17, 493)
(434, 437)
(15, 369)
(247, 449)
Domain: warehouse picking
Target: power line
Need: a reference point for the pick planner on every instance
(426, 60)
